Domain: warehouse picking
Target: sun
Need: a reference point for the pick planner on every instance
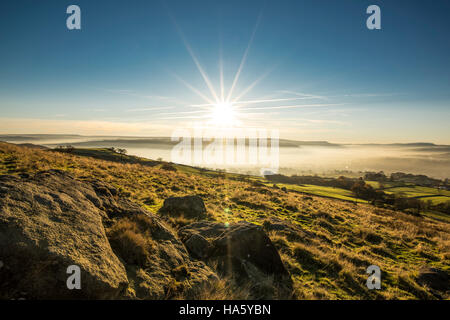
(223, 114)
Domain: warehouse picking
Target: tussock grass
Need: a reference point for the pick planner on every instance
(130, 238)
(220, 289)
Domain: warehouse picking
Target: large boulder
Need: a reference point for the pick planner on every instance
(198, 246)
(241, 250)
(248, 242)
(51, 221)
(48, 223)
(191, 207)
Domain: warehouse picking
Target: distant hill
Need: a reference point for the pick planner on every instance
(33, 146)
(81, 140)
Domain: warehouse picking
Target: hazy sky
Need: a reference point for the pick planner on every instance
(133, 67)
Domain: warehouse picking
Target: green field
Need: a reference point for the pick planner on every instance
(435, 195)
(330, 192)
(373, 184)
(436, 200)
(436, 215)
(422, 193)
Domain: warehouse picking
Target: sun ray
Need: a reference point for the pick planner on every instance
(242, 103)
(222, 86)
(202, 72)
(196, 91)
(250, 87)
(222, 108)
(295, 106)
(194, 58)
(244, 58)
(246, 102)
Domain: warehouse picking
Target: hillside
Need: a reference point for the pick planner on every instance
(325, 244)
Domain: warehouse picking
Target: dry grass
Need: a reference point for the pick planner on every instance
(342, 240)
(130, 238)
(219, 289)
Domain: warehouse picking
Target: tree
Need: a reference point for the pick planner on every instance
(69, 148)
(366, 192)
(122, 151)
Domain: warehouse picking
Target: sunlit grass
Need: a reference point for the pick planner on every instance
(327, 259)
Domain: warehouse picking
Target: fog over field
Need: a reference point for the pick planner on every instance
(295, 157)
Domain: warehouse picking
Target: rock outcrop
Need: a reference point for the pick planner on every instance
(51, 221)
(47, 223)
(191, 207)
(241, 250)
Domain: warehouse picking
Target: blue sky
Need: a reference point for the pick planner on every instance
(326, 75)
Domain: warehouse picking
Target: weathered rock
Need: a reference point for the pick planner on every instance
(188, 206)
(434, 278)
(207, 229)
(241, 250)
(198, 246)
(48, 223)
(248, 242)
(52, 220)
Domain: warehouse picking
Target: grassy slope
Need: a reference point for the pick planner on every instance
(342, 238)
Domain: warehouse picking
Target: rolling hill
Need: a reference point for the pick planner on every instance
(325, 244)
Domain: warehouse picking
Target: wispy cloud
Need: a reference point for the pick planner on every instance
(344, 95)
(133, 93)
(296, 106)
(149, 109)
(84, 127)
(183, 112)
(247, 102)
(183, 117)
(367, 95)
(303, 95)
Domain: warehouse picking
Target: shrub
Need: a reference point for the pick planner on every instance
(168, 167)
